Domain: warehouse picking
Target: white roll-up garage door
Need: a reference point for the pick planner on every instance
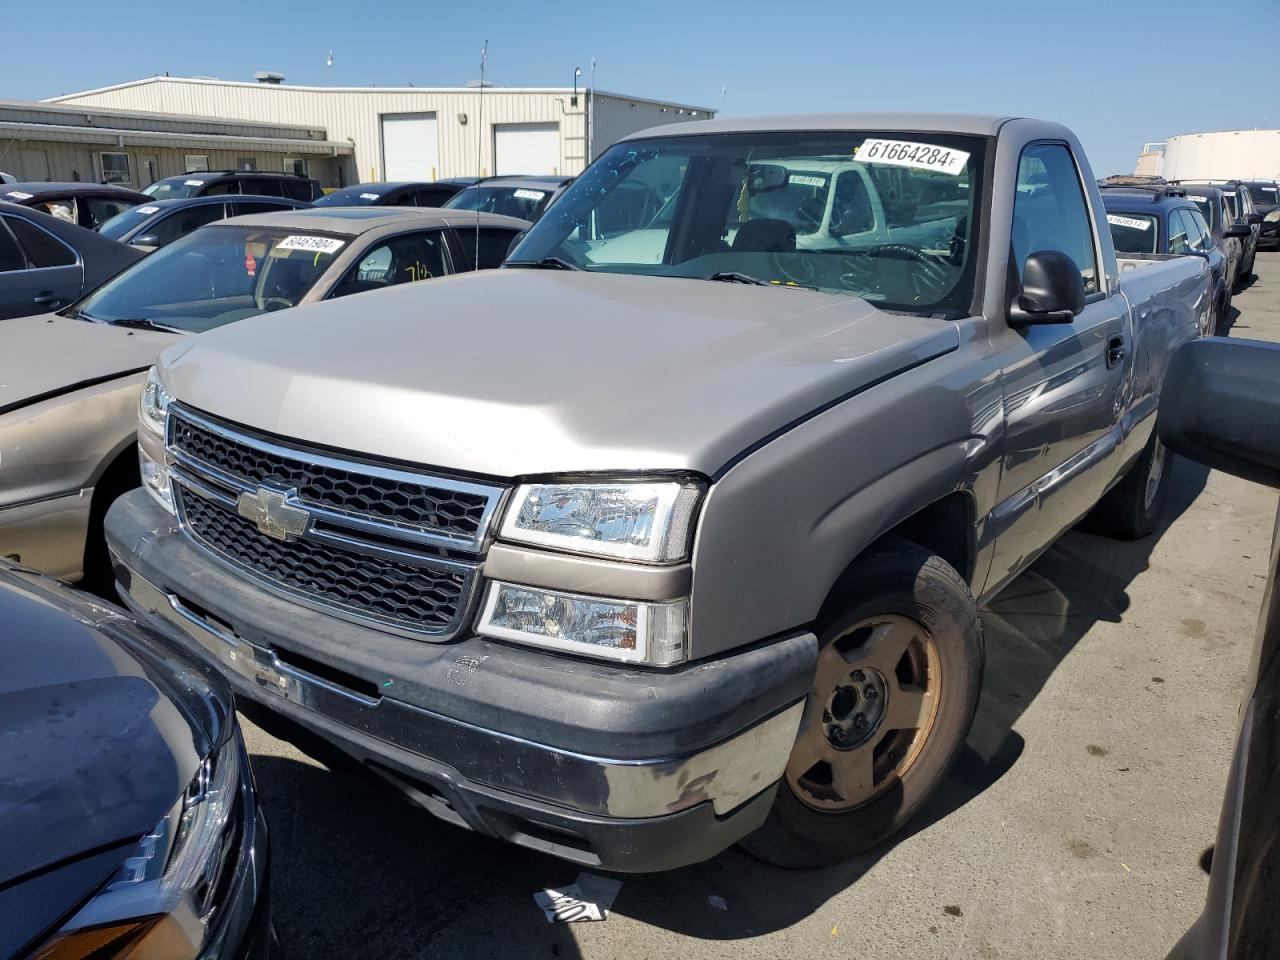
(526, 148)
(410, 148)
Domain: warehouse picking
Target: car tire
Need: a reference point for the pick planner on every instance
(896, 687)
(1131, 509)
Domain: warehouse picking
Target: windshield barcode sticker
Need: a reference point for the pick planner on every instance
(368, 196)
(904, 153)
(148, 209)
(312, 244)
(807, 180)
(530, 194)
(18, 195)
(1133, 223)
(193, 183)
(1198, 199)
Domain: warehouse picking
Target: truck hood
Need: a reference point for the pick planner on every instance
(520, 372)
(47, 355)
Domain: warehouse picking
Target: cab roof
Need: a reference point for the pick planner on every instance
(973, 124)
(354, 221)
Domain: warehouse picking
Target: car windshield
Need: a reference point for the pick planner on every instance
(213, 276)
(521, 202)
(122, 223)
(1133, 232)
(1264, 194)
(357, 196)
(882, 216)
(175, 188)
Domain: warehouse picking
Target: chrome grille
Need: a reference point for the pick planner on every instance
(352, 558)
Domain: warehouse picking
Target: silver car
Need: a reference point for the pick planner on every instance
(70, 380)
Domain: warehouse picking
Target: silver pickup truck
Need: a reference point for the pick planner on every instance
(675, 532)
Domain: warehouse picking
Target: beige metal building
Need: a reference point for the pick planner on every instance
(415, 133)
(1224, 155)
(43, 141)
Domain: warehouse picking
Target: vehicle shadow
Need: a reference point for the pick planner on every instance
(355, 868)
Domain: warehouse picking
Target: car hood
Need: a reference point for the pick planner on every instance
(518, 372)
(100, 729)
(59, 355)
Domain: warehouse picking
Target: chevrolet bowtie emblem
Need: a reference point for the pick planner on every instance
(272, 515)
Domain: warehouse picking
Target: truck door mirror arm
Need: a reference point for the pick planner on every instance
(1052, 290)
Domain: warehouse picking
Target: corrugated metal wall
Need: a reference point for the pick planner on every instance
(465, 150)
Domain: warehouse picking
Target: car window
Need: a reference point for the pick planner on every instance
(521, 202)
(42, 249)
(261, 186)
(220, 189)
(494, 242)
(1202, 226)
(1178, 242)
(179, 224)
(64, 209)
(1050, 212)
(1229, 201)
(296, 188)
(434, 196)
(404, 259)
(175, 188)
(1195, 236)
(851, 210)
(1133, 232)
(249, 205)
(11, 257)
(102, 209)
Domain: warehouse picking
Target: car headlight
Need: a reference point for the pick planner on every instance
(154, 404)
(633, 631)
(160, 903)
(643, 520)
(1273, 216)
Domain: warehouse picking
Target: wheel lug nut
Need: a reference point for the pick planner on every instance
(860, 721)
(826, 716)
(859, 676)
(838, 733)
(894, 756)
(870, 693)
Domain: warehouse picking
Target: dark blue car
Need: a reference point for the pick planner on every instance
(151, 225)
(1158, 221)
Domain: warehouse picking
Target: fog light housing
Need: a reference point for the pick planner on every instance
(631, 631)
(155, 477)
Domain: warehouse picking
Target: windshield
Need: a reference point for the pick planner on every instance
(521, 202)
(213, 276)
(357, 196)
(1133, 232)
(122, 223)
(176, 188)
(858, 213)
(1264, 194)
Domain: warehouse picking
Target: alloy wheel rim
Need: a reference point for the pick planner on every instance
(873, 705)
(1154, 475)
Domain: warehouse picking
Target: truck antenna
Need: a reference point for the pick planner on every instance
(484, 58)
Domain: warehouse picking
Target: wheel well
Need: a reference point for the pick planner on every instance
(120, 476)
(946, 528)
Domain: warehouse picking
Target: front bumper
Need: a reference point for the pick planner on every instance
(610, 766)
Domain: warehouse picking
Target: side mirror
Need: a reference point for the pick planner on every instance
(1052, 290)
(1237, 230)
(1219, 405)
(1255, 219)
(515, 242)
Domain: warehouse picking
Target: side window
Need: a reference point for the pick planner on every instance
(406, 259)
(102, 209)
(219, 189)
(1179, 243)
(1195, 236)
(241, 207)
(297, 189)
(434, 197)
(43, 249)
(1050, 211)
(180, 224)
(1206, 235)
(261, 186)
(11, 258)
(494, 242)
(851, 206)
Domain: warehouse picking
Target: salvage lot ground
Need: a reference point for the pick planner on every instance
(1072, 827)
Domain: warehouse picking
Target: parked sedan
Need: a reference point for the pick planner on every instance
(88, 204)
(158, 222)
(128, 821)
(1266, 202)
(46, 263)
(397, 194)
(68, 413)
(1157, 222)
(1220, 407)
(523, 197)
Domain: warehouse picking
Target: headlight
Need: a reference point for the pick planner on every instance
(641, 520)
(164, 896)
(633, 631)
(1273, 216)
(154, 405)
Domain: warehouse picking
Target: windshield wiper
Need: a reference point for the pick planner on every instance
(546, 263)
(733, 276)
(142, 323)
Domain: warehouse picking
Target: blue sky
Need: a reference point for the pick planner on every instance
(1118, 73)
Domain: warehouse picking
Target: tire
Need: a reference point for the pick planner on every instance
(895, 590)
(1131, 509)
(120, 477)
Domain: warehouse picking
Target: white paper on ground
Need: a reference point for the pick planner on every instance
(588, 898)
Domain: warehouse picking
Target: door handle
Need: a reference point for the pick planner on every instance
(47, 299)
(1115, 351)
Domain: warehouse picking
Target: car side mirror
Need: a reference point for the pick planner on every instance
(1052, 290)
(1237, 230)
(1255, 219)
(515, 242)
(1219, 405)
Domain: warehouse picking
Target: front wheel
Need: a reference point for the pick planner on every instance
(1131, 509)
(894, 694)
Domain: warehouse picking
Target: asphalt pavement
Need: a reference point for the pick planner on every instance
(1072, 827)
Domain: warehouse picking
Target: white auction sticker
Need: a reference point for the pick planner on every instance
(148, 209)
(368, 196)
(904, 153)
(1133, 223)
(530, 194)
(313, 244)
(18, 195)
(193, 183)
(1198, 199)
(807, 180)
